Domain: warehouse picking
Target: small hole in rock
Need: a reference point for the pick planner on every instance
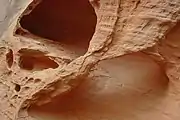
(37, 80)
(17, 87)
(69, 22)
(30, 79)
(9, 58)
(15, 97)
(29, 62)
(18, 31)
(26, 88)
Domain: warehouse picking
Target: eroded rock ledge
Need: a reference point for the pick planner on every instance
(40, 60)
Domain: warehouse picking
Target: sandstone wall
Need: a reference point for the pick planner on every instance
(107, 59)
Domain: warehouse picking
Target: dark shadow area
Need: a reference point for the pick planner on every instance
(9, 58)
(17, 87)
(35, 60)
(36, 63)
(69, 22)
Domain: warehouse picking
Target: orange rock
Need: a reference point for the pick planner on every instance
(118, 60)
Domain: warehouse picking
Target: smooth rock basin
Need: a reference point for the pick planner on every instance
(126, 88)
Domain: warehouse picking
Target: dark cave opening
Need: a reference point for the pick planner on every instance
(70, 22)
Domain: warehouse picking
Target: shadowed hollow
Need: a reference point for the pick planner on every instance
(70, 22)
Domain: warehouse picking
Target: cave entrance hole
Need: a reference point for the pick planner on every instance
(70, 22)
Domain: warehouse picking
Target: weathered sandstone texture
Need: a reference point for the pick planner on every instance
(90, 60)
